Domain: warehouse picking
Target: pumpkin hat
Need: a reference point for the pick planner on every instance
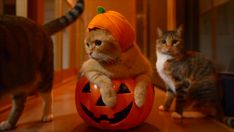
(115, 23)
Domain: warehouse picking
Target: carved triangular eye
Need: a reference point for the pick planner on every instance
(86, 88)
(123, 89)
(100, 102)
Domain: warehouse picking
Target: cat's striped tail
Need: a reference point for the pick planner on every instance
(63, 21)
(229, 121)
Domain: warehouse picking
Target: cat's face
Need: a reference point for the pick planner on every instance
(170, 42)
(101, 46)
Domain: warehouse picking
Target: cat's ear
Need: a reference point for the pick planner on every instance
(160, 32)
(179, 30)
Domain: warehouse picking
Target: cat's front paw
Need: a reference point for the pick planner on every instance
(47, 118)
(139, 96)
(109, 98)
(176, 115)
(111, 101)
(5, 125)
(139, 102)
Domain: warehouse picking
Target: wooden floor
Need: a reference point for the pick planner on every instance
(66, 118)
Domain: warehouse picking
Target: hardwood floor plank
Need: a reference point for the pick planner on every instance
(67, 119)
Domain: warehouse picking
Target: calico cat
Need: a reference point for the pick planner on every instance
(26, 60)
(107, 61)
(190, 78)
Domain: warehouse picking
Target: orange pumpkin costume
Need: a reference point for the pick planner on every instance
(115, 23)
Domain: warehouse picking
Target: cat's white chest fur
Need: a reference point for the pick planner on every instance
(161, 59)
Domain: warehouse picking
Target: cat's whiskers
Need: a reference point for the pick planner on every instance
(103, 58)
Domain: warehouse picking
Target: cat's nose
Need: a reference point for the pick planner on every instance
(169, 49)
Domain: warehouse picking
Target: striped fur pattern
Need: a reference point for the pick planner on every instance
(26, 61)
(190, 79)
(62, 22)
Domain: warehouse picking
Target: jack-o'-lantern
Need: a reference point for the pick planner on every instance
(124, 115)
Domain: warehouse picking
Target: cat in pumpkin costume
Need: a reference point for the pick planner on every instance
(26, 57)
(113, 54)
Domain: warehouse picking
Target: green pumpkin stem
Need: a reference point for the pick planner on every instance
(101, 10)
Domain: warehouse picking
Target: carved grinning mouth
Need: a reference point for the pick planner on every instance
(119, 116)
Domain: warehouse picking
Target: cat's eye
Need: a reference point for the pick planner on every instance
(163, 41)
(98, 42)
(87, 44)
(174, 41)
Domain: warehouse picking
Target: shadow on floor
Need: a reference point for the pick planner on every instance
(145, 127)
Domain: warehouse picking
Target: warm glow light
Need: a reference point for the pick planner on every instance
(171, 14)
(95, 86)
(71, 2)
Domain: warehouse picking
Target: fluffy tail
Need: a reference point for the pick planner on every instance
(63, 21)
(229, 121)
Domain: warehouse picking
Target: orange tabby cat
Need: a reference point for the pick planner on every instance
(107, 62)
